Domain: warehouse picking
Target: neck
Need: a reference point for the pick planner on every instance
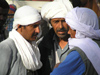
(63, 41)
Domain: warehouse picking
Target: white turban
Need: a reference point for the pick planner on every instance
(25, 15)
(55, 9)
(85, 22)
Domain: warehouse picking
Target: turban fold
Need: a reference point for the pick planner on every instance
(55, 9)
(85, 22)
(25, 15)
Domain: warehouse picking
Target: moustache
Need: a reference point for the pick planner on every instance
(60, 30)
(34, 34)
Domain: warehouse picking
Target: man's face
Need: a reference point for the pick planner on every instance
(3, 16)
(72, 32)
(60, 27)
(31, 31)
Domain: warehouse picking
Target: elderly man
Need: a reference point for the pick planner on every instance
(83, 58)
(4, 8)
(19, 53)
(54, 45)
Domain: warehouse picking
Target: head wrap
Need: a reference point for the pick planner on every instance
(85, 22)
(12, 7)
(55, 9)
(25, 15)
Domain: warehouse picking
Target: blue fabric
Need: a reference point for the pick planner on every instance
(72, 65)
(10, 23)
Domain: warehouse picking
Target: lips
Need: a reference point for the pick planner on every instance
(61, 32)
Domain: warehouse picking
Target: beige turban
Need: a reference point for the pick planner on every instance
(25, 15)
(55, 9)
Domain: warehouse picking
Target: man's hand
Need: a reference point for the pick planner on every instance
(56, 65)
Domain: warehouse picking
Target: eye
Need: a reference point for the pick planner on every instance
(56, 21)
(63, 20)
(34, 26)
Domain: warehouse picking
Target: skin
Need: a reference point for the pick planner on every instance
(72, 32)
(3, 16)
(61, 29)
(30, 31)
(11, 13)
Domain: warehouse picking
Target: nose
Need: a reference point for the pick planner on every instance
(37, 29)
(60, 25)
(69, 31)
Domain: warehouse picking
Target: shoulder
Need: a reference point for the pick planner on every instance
(7, 42)
(49, 35)
(80, 53)
(72, 65)
(6, 45)
(48, 38)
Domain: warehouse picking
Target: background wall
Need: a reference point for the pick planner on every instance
(35, 4)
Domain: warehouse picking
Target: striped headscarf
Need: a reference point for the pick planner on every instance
(12, 7)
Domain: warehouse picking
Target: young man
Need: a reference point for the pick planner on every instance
(84, 54)
(19, 53)
(4, 8)
(54, 45)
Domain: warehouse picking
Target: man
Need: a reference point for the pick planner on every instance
(54, 45)
(4, 8)
(84, 54)
(19, 53)
(9, 22)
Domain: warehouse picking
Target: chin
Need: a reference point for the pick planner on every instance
(61, 36)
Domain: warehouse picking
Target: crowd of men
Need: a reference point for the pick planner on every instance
(70, 46)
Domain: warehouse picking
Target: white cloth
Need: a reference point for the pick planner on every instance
(90, 48)
(30, 54)
(67, 4)
(55, 9)
(25, 15)
(85, 22)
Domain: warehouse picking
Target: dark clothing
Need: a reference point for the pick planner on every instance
(3, 34)
(47, 50)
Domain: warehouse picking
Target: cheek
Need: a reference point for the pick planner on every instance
(65, 26)
(54, 27)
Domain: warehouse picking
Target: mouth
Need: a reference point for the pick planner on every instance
(61, 32)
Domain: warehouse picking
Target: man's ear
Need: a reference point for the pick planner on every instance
(19, 27)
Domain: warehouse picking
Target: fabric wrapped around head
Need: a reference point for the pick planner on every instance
(85, 22)
(55, 9)
(12, 7)
(25, 15)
